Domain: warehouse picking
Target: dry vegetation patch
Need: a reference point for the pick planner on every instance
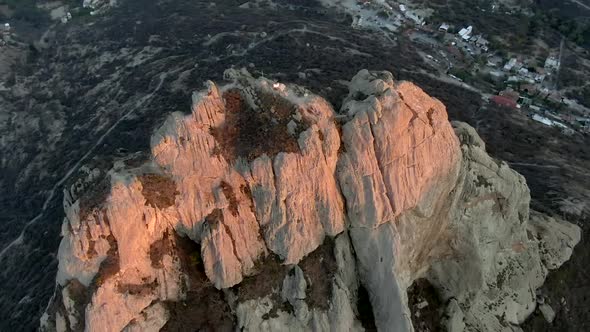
(81, 297)
(268, 280)
(94, 197)
(214, 218)
(204, 308)
(319, 269)
(144, 289)
(160, 248)
(159, 190)
(249, 132)
(228, 191)
(109, 267)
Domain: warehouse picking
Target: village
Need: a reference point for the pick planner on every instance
(58, 11)
(455, 52)
(458, 51)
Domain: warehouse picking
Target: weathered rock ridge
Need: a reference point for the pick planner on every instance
(264, 209)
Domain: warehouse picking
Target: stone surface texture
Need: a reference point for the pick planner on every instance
(387, 190)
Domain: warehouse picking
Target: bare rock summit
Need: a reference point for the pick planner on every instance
(264, 209)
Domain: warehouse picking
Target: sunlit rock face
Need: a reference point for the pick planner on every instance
(401, 162)
(264, 209)
(254, 165)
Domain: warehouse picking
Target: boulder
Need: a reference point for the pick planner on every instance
(547, 312)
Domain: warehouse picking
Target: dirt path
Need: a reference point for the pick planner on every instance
(581, 4)
(534, 165)
(450, 80)
(19, 240)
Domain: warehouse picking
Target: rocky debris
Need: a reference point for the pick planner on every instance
(425, 306)
(294, 286)
(153, 318)
(494, 265)
(557, 238)
(263, 210)
(204, 307)
(547, 312)
(455, 319)
(298, 312)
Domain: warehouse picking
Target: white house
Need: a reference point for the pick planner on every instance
(523, 71)
(510, 64)
(465, 33)
(551, 63)
(444, 27)
(542, 119)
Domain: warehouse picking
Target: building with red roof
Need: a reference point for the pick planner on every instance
(504, 102)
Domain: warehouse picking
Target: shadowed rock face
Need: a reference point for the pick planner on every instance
(267, 184)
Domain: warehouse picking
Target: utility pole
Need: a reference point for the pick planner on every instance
(556, 81)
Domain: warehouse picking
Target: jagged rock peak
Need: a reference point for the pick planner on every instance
(264, 209)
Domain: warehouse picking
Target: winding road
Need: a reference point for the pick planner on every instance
(581, 4)
(19, 240)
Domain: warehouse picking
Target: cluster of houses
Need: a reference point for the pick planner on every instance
(417, 16)
(525, 84)
(553, 119)
(389, 14)
(98, 6)
(516, 72)
(511, 99)
(524, 78)
(472, 44)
